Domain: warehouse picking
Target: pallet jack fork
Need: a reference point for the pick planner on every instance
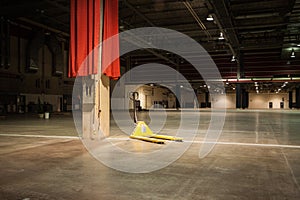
(142, 130)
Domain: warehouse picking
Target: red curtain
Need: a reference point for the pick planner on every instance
(110, 49)
(84, 37)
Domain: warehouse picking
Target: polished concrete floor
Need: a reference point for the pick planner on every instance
(257, 157)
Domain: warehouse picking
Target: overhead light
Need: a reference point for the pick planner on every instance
(233, 59)
(221, 36)
(181, 86)
(293, 53)
(298, 45)
(47, 33)
(209, 18)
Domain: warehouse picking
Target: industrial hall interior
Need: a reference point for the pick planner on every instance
(149, 99)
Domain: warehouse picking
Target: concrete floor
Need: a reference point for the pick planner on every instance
(257, 157)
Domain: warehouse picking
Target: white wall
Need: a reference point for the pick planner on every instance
(223, 100)
(148, 94)
(256, 101)
(261, 100)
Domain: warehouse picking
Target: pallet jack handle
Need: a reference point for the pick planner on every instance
(134, 96)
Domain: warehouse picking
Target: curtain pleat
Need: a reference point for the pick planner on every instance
(84, 37)
(110, 50)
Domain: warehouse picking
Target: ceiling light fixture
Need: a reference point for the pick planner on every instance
(221, 36)
(293, 53)
(233, 59)
(210, 18)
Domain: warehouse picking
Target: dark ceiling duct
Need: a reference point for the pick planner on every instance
(291, 37)
(32, 58)
(57, 55)
(35, 44)
(5, 43)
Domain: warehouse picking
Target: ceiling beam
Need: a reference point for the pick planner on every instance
(223, 19)
(138, 12)
(37, 24)
(152, 24)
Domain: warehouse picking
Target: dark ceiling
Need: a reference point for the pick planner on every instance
(260, 34)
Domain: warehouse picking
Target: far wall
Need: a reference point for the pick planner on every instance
(256, 101)
(148, 95)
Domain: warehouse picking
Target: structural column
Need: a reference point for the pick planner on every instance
(290, 99)
(88, 104)
(245, 99)
(103, 102)
(178, 96)
(238, 92)
(241, 96)
(297, 97)
(207, 100)
(104, 105)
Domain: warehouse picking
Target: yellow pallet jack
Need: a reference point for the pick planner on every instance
(142, 130)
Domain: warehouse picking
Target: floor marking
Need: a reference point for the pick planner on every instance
(40, 136)
(291, 170)
(196, 142)
(248, 144)
(232, 143)
(120, 139)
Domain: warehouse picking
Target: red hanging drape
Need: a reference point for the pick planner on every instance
(111, 50)
(84, 37)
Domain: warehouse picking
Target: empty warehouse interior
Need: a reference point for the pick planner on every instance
(150, 99)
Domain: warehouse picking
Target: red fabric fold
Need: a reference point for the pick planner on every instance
(110, 50)
(84, 37)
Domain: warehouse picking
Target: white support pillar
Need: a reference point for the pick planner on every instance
(104, 105)
(88, 107)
